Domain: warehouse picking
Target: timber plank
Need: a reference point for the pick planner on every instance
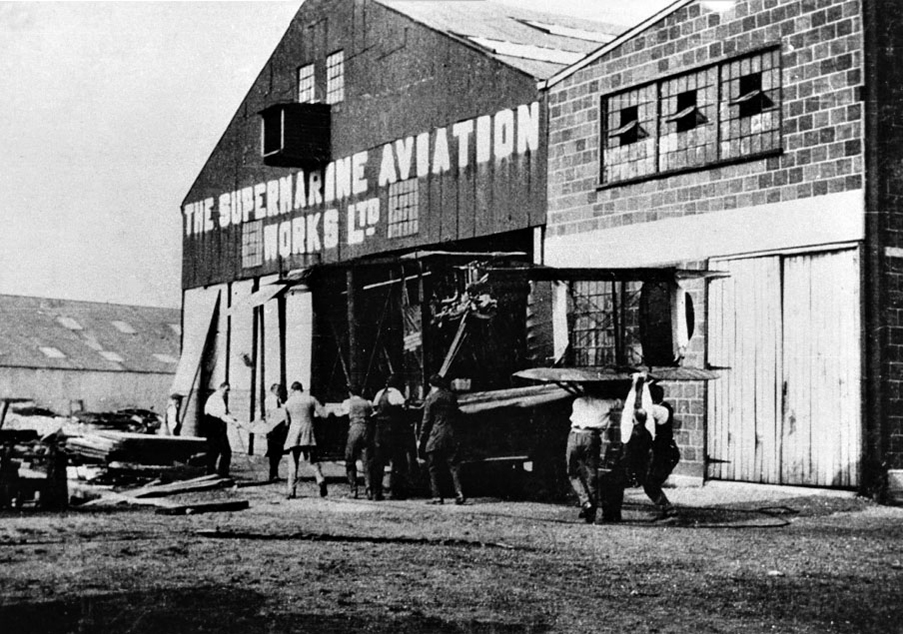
(204, 507)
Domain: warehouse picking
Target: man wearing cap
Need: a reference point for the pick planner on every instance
(172, 420)
(437, 438)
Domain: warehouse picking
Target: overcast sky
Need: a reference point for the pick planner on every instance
(109, 111)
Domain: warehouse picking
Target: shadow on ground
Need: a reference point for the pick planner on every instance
(215, 610)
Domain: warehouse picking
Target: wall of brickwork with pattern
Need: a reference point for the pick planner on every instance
(811, 54)
(822, 116)
(884, 226)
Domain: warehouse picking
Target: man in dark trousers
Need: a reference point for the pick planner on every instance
(215, 429)
(437, 438)
(360, 439)
(590, 418)
(649, 452)
(665, 454)
(392, 440)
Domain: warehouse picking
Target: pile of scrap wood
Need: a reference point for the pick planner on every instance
(106, 446)
(153, 494)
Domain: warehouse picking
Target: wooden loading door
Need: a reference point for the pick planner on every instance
(788, 409)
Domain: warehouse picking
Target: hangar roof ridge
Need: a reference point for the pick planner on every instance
(476, 23)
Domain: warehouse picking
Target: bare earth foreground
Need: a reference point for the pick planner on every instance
(738, 560)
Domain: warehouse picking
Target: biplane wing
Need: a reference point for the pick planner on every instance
(563, 376)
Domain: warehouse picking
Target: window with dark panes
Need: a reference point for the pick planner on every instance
(629, 134)
(688, 110)
(751, 113)
(271, 135)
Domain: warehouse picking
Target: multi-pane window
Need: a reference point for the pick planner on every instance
(592, 336)
(404, 214)
(335, 77)
(725, 111)
(629, 134)
(306, 85)
(750, 116)
(688, 132)
(252, 244)
(593, 309)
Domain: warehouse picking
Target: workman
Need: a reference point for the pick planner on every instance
(590, 418)
(393, 439)
(360, 440)
(438, 440)
(214, 427)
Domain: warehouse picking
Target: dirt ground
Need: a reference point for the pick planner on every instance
(773, 563)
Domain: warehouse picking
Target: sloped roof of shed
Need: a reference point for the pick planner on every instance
(501, 23)
(77, 335)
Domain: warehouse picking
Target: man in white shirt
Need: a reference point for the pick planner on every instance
(215, 429)
(590, 417)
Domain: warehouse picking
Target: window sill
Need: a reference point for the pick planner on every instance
(688, 170)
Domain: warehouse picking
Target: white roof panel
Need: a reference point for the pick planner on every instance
(527, 51)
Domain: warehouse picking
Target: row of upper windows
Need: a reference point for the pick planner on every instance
(335, 80)
(722, 112)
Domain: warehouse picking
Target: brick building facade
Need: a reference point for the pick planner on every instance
(757, 141)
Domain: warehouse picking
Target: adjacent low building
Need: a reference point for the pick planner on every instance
(68, 356)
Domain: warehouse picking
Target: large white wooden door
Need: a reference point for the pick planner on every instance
(822, 428)
(745, 339)
(787, 409)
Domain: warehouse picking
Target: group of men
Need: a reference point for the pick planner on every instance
(647, 451)
(379, 435)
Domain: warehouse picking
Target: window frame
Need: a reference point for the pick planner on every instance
(312, 77)
(403, 192)
(335, 83)
(665, 119)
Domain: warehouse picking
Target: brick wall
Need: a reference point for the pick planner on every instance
(884, 229)
(822, 62)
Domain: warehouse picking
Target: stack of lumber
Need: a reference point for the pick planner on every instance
(126, 447)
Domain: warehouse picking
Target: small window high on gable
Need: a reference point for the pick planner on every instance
(335, 77)
(306, 84)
